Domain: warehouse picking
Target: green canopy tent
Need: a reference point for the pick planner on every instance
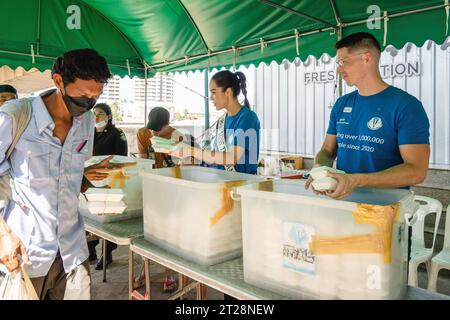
(141, 37)
(174, 35)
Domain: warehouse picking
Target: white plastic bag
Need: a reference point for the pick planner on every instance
(17, 286)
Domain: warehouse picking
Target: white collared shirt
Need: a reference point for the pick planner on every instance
(47, 179)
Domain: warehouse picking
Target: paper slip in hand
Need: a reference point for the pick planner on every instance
(164, 145)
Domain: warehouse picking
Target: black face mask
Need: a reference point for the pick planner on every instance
(78, 105)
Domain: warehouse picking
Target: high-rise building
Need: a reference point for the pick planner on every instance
(160, 88)
(111, 92)
(130, 95)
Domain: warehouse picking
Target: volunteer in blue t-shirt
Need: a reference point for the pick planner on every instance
(235, 136)
(379, 133)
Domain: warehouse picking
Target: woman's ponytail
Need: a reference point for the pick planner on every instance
(243, 86)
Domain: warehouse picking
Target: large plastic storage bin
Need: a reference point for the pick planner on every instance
(129, 180)
(306, 246)
(189, 211)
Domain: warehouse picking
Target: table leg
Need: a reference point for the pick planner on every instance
(130, 273)
(147, 279)
(199, 292)
(202, 291)
(104, 260)
(183, 282)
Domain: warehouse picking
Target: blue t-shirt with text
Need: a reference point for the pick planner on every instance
(242, 130)
(370, 129)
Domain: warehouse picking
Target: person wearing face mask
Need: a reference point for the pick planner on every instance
(158, 125)
(108, 140)
(7, 93)
(41, 222)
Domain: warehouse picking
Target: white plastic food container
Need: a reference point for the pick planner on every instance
(321, 182)
(102, 194)
(283, 225)
(105, 208)
(194, 215)
(127, 180)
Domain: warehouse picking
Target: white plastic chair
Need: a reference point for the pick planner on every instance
(442, 259)
(419, 252)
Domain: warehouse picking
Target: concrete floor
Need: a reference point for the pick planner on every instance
(116, 285)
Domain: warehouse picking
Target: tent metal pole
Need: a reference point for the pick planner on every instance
(213, 53)
(206, 85)
(339, 37)
(194, 24)
(298, 13)
(131, 44)
(53, 58)
(145, 96)
(395, 15)
(189, 89)
(38, 36)
(336, 16)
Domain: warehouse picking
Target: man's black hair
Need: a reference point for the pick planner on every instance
(85, 64)
(359, 40)
(8, 88)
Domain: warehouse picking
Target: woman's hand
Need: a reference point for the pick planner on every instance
(101, 170)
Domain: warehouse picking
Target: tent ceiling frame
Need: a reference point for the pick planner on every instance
(53, 58)
(336, 15)
(234, 49)
(145, 65)
(396, 15)
(131, 44)
(298, 13)
(38, 35)
(289, 37)
(194, 24)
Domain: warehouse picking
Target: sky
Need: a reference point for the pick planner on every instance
(185, 99)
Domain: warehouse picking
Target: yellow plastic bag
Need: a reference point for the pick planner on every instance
(17, 286)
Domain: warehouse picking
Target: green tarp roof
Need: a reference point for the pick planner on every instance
(176, 35)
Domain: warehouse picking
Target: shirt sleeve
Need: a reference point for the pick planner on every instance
(143, 142)
(121, 146)
(5, 141)
(413, 124)
(91, 140)
(332, 122)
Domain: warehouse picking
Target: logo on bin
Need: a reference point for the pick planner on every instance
(296, 253)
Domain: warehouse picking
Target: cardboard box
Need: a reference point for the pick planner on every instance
(297, 161)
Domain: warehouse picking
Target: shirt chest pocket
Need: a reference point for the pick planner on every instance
(35, 167)
(79, 156)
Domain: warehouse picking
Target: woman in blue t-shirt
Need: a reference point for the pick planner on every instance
(233, 141)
